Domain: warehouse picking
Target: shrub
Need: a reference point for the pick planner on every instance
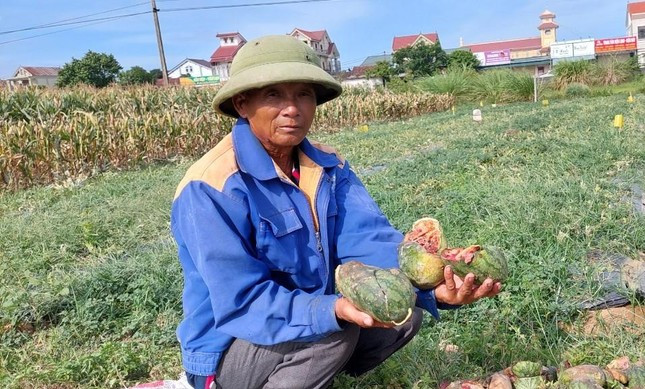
(569, 72)
(519, 86)
(577, 90)
(490, 86)
(615, 71)
(455, 82)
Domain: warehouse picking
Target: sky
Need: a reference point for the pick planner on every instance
(359, 28)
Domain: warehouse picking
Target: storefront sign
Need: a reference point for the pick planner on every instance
(498, 57)
(573, 49)
(616, 44)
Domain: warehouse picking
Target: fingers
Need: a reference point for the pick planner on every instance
(466, 291)
(449, 277)
(484, 290)
(345, 310)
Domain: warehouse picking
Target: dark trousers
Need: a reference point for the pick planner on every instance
(292, 365)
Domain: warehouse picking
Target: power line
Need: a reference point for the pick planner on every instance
(242, 5)
(107, 18)
(87, 23)
(62, 22)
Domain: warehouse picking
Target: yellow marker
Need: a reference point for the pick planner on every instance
(630, 99)
(453, 109)
(619, 121)
(481, 103)
(545, 103)
(363, 128)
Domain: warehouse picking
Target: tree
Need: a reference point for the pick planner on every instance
(97, 69)
(463, 59)
(136, 76)
(421, 59)
(155, 74)
(382, 70)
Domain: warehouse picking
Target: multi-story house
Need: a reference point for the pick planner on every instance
(322, 45)
(636, 27)
(229, 45)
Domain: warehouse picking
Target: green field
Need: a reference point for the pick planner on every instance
(91, 286)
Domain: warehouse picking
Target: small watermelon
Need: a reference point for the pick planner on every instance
(425, 270)
(384, 294)
(483, 263)
(524, 369)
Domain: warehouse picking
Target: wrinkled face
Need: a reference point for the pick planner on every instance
(280, 115)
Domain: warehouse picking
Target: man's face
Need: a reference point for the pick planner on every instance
(280, 115)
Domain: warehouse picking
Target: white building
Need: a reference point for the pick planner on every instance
(636, 27)
(34, 76)
(221, 59)
(322, 45)
(191, 67)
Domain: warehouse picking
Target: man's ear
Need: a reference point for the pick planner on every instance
(239, 101)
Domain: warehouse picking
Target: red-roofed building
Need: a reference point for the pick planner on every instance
(400, 42)
(322, 45)
(636, 27)
(221, 59)
(530, 53)
(34, 76)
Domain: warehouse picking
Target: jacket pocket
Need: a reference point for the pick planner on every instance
(278, 239)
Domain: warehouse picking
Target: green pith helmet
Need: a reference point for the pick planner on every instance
(271, 60)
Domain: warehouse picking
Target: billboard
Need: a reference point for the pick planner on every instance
(497, 57)
(573, 49)
(199, 81)
(627, 43)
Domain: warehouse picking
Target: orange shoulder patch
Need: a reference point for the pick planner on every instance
(214, 168)
(329, 150)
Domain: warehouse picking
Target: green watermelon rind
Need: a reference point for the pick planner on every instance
(423, 269)
(385, 295)
(487, 263)
(524, 369)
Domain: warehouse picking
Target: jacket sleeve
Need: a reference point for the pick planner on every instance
(363, 233)
(214, 229)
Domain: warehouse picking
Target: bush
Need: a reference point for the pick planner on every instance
(402, 85)
(569, 72)
(455, 82)
(615, 71)
(577, 90)
(490, 86)
(519, 86)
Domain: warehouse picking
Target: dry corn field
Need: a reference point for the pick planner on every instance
(51, 136)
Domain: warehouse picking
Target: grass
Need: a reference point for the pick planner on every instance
(91, 285)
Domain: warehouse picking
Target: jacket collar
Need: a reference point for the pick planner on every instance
(253, 159)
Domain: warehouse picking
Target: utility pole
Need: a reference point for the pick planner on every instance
(162, 56)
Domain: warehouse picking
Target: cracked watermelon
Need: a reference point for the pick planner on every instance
(384, 294)
(483, 263)
(425, 270)
(427, 232)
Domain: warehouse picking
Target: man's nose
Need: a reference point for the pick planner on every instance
(290, 106)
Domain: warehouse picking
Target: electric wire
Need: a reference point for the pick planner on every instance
(62, 22)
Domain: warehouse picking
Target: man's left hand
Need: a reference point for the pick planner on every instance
(456, 291)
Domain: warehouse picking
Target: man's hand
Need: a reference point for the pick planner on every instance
(347, 311)
(457, 292)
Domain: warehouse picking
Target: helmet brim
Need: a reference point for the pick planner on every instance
(327, 88)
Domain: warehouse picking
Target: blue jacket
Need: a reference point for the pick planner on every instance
(259, 253)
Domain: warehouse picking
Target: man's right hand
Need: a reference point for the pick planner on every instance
(347, 311)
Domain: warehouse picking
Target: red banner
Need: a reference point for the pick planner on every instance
(627, 43)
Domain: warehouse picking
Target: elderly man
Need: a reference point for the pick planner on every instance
(262, 220)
